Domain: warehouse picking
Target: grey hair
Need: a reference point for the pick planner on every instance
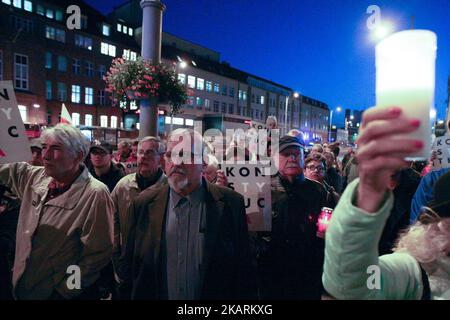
(150, 139)
(272, 118)
(70, 137)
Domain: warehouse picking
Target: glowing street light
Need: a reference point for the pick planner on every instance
(183, 64)
(382, 31)
(295, 95)
(338, 109)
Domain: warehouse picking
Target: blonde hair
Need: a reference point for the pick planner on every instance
(426, 242)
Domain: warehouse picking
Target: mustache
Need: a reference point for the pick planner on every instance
(176, 170)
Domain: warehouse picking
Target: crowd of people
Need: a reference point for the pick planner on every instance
(173, 229)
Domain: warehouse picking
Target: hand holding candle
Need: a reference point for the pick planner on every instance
(405, 77)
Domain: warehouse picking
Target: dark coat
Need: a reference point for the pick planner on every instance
(111, 178)
(290, 257)
(227, 273)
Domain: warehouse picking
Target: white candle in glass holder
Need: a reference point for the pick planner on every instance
(405, 77)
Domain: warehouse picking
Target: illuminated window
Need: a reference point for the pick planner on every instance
(76, 94)
(17, 4)
(104, 121)
(28, 6)
(191, 82)
(208, 86)
(182, 78)
(20, 71)
(49, 13)
(200, 84)
(106, 30)
(88, 120)
(113, 122)
(76, 119)
(88, 95)
(108, 49)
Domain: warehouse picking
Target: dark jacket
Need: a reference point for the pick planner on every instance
(400, 214)
(111, 178)
(227, 272)
(290, 257)
(9, 216)
(334, 179)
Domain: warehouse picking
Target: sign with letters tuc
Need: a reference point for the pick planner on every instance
(14, 144)
(249, 180)
(441, 147)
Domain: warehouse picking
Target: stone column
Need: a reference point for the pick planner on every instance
(152, 11)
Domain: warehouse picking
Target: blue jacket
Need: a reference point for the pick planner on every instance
(424, 192)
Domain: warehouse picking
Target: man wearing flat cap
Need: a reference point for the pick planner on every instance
(290, 257)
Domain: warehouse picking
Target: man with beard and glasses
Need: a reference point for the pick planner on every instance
(419, 268)
(188, 240)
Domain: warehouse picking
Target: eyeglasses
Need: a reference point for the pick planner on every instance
(148, 153)
(428, 216)
(314, 168)
(289, 154)
(180, 156)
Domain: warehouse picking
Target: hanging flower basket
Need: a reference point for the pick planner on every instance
(128, 80)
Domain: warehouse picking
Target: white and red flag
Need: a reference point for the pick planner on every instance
(65, 115)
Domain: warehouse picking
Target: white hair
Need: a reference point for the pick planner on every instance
(425, 242)
(152, 139)
(272, 118)
(70, 137)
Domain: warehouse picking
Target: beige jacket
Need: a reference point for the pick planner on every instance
(123, 195)
(73, 229)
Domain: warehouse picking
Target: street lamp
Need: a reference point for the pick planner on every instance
(382, 31)
(295, 95)
(338, 109)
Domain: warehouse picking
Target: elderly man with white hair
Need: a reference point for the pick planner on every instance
(188, 239)
(65, 230)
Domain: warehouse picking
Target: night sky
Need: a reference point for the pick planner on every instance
(321, 48)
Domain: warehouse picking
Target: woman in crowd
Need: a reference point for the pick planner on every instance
(315, 167)
(420, 265)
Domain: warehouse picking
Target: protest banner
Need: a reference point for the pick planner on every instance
(14, 144)
(442, 148)
(130, 167)
(249, 180)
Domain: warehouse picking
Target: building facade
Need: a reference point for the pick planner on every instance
(50, 64)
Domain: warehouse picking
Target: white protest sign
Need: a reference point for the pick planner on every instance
(14, 144)
(249, 181)
(442, 148)
(130, 167)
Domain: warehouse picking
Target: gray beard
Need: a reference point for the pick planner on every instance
(178, 184)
